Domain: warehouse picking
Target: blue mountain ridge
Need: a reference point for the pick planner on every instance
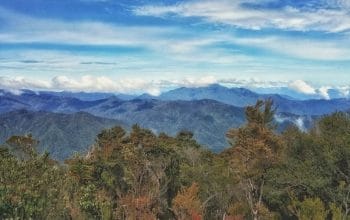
(208, 112)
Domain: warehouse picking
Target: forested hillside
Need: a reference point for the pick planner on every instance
(59, 134)
(208, 119)
(141, 175)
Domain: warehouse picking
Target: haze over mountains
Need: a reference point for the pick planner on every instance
(65, 122)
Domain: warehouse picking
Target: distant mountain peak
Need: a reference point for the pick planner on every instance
(215, 85)
(145, 96)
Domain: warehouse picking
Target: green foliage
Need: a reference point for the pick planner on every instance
(141, 175)
(256, 150)
(336, 212)
(314, 165)
(30, 188)
(88, 201)
(309, 209)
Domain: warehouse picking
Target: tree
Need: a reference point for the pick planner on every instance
(131, 176)
(187, 205)
(333, 133)
(23, 147)
(31, 184)
(316, 165)
(256, 149)
(309, 209)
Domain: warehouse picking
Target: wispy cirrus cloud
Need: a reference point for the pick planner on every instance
(253, 15)
(165, 47)
(19, 28)
(312, 49)
(44, 47)
(167, 41)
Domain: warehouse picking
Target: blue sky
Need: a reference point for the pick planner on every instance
(151, 46)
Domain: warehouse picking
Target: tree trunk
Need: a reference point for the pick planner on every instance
(255, 215)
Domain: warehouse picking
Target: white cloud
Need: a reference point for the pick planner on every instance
(302, 87)
(105, 84)
(131, 85)
(323, 92)
(196, 81)
(344, 91)
(90, 83)
(300, 123)
(26, 29)
(331, 50)
(251, 83)
(234, 13)
(190, 47)
(305, 88)
(297, 121)
(17, 83)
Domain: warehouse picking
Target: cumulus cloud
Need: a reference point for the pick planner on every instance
(323, 91)
(21, 82)
(104, 84)
(344, 91)
(305, 88)
(89, 83)
(251, 83)
(302, 87)
(195, 81)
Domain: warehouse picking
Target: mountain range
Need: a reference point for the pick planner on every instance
(242, 97)
(67, 120)
(239, 97)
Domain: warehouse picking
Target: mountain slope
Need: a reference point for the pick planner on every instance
(235, 96)
(232, 96)
(207, 119)
(242, 97)
(34, 101)
(59, 134)
(89, 96)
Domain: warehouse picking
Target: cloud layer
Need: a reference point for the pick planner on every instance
(90, 83)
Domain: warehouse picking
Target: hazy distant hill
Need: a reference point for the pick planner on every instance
(233, 96)
(207, 119)
(242, 97)
(89, 96)
(239, 97)
(59, 134)
(42, 102)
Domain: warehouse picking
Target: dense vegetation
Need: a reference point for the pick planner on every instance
(140, 175)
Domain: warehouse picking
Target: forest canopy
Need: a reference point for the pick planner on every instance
(141, 175)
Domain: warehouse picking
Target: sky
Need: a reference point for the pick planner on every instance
(135, 46)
